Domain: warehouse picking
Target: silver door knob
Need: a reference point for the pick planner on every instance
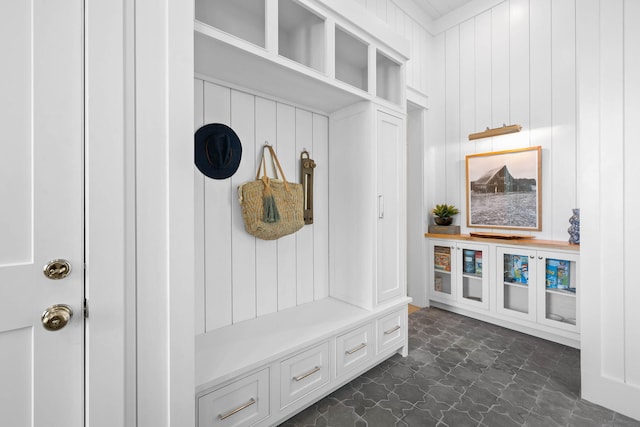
(56, 317)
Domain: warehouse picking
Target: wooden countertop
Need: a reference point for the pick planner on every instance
(538, 243)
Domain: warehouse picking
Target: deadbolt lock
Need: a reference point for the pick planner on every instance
(57, 269)
(56, 317)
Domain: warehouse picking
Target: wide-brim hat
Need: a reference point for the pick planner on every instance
(217, 150)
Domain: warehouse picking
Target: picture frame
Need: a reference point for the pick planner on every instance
(504, 189)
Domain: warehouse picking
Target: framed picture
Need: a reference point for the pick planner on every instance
(504, 189)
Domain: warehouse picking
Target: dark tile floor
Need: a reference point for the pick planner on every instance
(463, 372)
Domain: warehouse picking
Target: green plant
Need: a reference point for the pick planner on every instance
(445, 211)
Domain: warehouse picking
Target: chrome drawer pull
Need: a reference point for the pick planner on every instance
(238, 409)
(390, 331)
(303, 376)
(358, 348)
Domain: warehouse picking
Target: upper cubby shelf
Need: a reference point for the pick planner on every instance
(244, 19)
(318, 53)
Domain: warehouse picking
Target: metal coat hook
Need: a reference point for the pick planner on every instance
(306, 171)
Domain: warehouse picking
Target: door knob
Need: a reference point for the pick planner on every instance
(56, 317)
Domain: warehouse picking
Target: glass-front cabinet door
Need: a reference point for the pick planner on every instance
(442, 263)
(471, 276)
(516, 276)
(558, 295)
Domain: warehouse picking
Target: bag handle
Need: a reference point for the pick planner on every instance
(263, 167)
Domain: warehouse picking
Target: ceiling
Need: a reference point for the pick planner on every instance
(438, 8)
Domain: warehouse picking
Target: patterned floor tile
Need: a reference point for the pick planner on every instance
(463, 372)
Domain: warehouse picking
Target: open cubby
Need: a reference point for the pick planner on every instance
(242, 18)
(351, 60)
(387, 78)
(300, 34)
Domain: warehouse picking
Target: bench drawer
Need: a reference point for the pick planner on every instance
(304, 373)
(239, 404)
(354, 349)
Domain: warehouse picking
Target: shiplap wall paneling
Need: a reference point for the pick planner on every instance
(435, 156)
(320, 154)
(540, 92)
(467, 105)
(631, 178)
(243, 245)
(519, 65)
(455, 168)
(239, 277)
(483, 82)
(500, 72)
(564, 145)
(612, 186)
(198, 188)
(514, 63)
(287, 272)
(304, 237)
(608, 86)
(266, 250)
(217, 203)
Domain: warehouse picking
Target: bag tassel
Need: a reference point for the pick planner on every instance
(270, 209)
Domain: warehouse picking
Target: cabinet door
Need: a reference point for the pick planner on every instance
(557, 290)
(391, 222)
(471, 277)
(517, 282)
(442, 264)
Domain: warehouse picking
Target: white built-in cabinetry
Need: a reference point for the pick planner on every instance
(528, 285)
(367, 242)
(323, 56)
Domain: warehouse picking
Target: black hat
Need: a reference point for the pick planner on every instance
(217, 151)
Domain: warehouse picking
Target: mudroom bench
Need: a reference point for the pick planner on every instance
(263, 371)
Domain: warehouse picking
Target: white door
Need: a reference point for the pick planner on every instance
(41, 211)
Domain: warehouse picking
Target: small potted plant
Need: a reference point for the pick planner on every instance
(444, 214)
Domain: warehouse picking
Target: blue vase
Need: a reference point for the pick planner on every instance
(574, 228)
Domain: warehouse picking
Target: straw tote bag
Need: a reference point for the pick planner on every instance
(271, 208)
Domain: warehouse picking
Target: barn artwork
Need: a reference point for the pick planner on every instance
(504, 189)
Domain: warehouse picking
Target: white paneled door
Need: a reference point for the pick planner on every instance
(41, 212)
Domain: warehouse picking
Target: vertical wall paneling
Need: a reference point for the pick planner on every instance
(321, 201)
(287, 275)
(513, 63)
(483, 79)
(608, 86)
(217, 228)
(436, 179)
(540, 102)
(563, 110)
(631, 178)
(611, 159)
(304, 237)
(266, 250)
(243, 246)
(467, 100)
(500, 72)
(411, 63)
(519, 71)
(381, 9)
(198, 188)
(452, 112)
(392, 9)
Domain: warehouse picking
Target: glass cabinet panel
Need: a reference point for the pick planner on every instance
(516, 282)
(442, 261)
(559, 305)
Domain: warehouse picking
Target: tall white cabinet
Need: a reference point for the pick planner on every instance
(327, 58)
(366, 202)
